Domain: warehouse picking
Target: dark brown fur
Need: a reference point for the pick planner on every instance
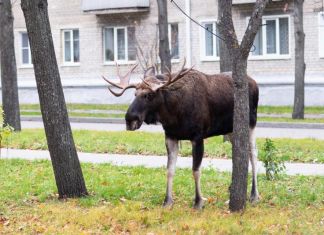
(195, 107)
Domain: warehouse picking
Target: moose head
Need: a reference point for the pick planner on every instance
(148, 95)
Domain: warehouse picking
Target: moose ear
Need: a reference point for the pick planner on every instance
(149, 72)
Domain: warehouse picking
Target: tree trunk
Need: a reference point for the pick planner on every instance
(225, 61)
(240, 148)
(164, 49)
(239, 53)
(300, 66)
(67, 169)
(10, 100)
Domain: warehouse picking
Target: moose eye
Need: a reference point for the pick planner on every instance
(148, 96)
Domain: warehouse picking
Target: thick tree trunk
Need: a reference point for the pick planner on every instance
(300, 66)
(67, 169)
(10, 100)
(164, 49)
(240, 148)
(239, 53)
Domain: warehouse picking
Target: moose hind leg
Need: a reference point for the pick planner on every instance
(253, 158)
(197, 155)
(172, 149)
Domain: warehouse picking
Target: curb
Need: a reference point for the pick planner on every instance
(287, 125)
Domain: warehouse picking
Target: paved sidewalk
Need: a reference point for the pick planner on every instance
(159, 161)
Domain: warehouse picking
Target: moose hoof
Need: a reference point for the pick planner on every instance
(167, 202)
(198, 205)
(254, 198)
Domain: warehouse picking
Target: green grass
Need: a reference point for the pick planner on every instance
(80, 114)
(122, 107)
(31, 110)
(127, 200)
(289, 109)
(296, 150)
(290, 120)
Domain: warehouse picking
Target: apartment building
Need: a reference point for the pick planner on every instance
(90, 35)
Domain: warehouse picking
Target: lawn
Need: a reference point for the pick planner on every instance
(104, 111)
(127, 200)
(289, 109)
(295, 150)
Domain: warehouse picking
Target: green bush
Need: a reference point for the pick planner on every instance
(273, 162)
(5, 130)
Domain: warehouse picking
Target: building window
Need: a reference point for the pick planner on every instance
(174, 41)
(71, 46)
(209, 43)
(25, 50)
(272, 39)
(119, 44)
(321, 34)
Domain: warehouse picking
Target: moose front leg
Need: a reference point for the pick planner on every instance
(197, 155)
(172, 149)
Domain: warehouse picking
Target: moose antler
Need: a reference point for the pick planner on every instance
(124, 81)
(170, 79)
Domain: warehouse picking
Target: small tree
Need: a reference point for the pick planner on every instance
(164, 49)
(272, 160)
(300, 66)
(10, 100)
(66, 165)
(239, 54)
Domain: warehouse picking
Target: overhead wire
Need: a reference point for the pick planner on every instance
(202, 26)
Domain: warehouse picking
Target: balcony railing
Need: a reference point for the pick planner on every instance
(113, 5)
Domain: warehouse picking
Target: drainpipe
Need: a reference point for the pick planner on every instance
(188, 33)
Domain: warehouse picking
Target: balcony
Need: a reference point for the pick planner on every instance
(100, 7)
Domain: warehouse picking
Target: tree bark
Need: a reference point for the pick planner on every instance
(164, 49)
(225, 61)
(300, 66)
(10, 100)
(239, 54)
(66, 165)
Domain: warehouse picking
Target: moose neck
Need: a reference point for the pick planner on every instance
(169, 107)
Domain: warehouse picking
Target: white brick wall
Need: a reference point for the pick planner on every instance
(68, 14)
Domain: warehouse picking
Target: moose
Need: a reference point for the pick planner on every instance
(192, 106)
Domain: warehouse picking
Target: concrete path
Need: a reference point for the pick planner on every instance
(264, 131)
(159, 161)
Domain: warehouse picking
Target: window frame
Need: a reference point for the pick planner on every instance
(30, 62)
(276, 56)
(72, 62)
(170, 38)
(115, 28)
(320, 26)
(202, 43)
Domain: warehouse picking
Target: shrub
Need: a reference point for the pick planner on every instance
(273, 162)
(5, 131)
